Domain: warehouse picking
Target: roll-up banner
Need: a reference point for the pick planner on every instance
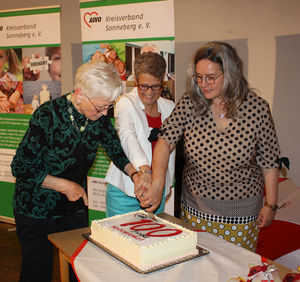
(116, 32)
(30, 74)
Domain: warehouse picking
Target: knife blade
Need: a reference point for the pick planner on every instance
(151, 215)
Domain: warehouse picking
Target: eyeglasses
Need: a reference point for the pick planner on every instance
(145, 87)
(209, 79)
(102, 109)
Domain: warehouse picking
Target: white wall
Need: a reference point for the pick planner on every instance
(260, 22)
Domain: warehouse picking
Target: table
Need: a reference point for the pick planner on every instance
(67, 243)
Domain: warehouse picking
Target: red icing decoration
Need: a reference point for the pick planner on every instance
(136, 227)
(137, 222)
(155, 229)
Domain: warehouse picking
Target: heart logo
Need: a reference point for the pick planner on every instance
(87, 16)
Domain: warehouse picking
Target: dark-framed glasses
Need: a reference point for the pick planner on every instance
(101, 109)
(209, 79)
(154, 87)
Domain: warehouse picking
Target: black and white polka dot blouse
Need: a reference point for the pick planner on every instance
(223, 170)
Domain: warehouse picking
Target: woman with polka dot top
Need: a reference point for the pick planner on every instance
(231, 150)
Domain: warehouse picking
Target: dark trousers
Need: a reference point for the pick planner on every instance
(37, 250)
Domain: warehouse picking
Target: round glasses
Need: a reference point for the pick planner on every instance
(145, 87)
(209, 79)
(101, 109)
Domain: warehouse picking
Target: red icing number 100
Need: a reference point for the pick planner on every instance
(155, 229)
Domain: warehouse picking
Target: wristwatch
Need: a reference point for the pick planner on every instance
(272, 207)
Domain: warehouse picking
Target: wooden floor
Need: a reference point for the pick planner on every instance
(10, 255)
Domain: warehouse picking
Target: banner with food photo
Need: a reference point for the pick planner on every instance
(117, 32)
(30, 74)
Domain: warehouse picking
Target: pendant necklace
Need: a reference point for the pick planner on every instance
(70, 110)
(221, 115)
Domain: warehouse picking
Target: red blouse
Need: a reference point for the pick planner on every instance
(154, 122)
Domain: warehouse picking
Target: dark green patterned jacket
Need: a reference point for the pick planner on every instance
(52, 145)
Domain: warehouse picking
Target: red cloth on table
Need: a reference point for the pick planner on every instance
(279, 238)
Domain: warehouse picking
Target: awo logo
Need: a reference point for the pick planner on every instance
(90, 18)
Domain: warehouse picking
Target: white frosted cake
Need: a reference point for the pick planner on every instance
(143, 242)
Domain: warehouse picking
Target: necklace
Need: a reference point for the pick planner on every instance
(217, 110)
(70, 110)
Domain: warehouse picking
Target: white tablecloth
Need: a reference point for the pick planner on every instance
(225, 261)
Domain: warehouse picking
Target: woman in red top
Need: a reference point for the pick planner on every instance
(139, 115)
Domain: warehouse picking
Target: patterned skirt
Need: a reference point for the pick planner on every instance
(242, 234)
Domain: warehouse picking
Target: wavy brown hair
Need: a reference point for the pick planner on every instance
(13, 61)
(235, 86)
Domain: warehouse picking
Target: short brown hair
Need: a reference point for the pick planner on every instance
(151, 63)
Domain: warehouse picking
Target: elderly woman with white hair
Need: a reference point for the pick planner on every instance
(53, 159)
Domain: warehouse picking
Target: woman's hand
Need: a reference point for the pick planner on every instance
(71, 189)
(141, 178)
(74, 192)
(265, 217)
(151, 198)
(266, 214)
(142, 182)
(145, 176)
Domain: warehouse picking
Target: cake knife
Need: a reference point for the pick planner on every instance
(151, 215)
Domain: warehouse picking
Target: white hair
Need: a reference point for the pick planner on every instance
(98, 80)
(150, 47)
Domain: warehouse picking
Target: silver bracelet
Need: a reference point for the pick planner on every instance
(146, 171)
